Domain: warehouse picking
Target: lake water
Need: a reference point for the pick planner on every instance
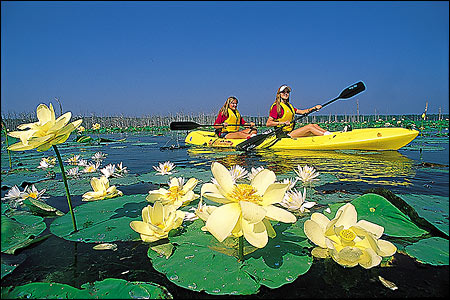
(420, 168)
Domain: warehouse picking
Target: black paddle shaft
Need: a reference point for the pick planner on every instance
(257, 140)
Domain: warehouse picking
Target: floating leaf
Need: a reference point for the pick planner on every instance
(433, 251)
(283, 259)
(20, 231)
(376, 209)
(102, 221)
(433, 208)
(110, 288)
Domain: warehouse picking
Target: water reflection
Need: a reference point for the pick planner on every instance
(376, 167)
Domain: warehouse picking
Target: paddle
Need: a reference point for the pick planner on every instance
(187, 125)
(257, 140)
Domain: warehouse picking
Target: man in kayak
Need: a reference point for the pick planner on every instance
(282, 113)
(229, 119)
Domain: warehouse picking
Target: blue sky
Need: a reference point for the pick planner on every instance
(159, 58)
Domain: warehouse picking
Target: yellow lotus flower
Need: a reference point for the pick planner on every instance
(45, 133)
(247, 208)
(81, 129)
(178, 194)
(157, 221)
(96, 126)
(347, 241)
(102, 190)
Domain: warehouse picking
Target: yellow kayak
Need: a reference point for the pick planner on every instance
(356, 139)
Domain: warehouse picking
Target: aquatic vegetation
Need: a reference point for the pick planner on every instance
(247, 208)
(179, 193)
(164, 168)
(238, 172)
(95, 126)
(348, 241)
(253, 172)
(74, 160)
(73, 172)
(157, 221)
(47, 163)
(306, 174)
(109, 171)
(121, 170)
(296, 201)
(91, 168)
(102, 190)
(99, 156)
(202, 211)
(45, 133)
(285, 257)
(14, 197)
(33, 192)
(81, 129)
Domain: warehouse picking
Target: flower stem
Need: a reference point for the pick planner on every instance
(67, 188)
(7, 144)
(241, 248)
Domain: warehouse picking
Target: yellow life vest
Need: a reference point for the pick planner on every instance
(234, 117)
(288, 115)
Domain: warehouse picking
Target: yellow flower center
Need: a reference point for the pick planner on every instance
(372, 209)
(347, 235)
(33, 195)
(174, 193)
(245, 192)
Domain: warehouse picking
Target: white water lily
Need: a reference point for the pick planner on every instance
(253, 172)
(45, 163)
(14, 196)
(120, 169)
(109, 170)
(247, 208)
(307, 174)
(348, 241)
(74, 160)
(73, 172)
(202, 211)
(164, 168)
(238, 172)
(291, 182)
(33, 192)
(294, 200)
(102, 190)
(83, 163)
(179, 193)
(99, 156)
(91, 168)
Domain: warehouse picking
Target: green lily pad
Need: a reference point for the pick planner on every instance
(433, 251)
(11, 262)
(20, 231)
(102, 221)
(218, 272)
(110, 288)
(41, 208)
(433, 208)
(377, 209)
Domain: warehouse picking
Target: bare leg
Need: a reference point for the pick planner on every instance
(243, 134)
(308, 130)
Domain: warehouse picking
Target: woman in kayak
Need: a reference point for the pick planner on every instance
(282, 113)
(228, 121)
